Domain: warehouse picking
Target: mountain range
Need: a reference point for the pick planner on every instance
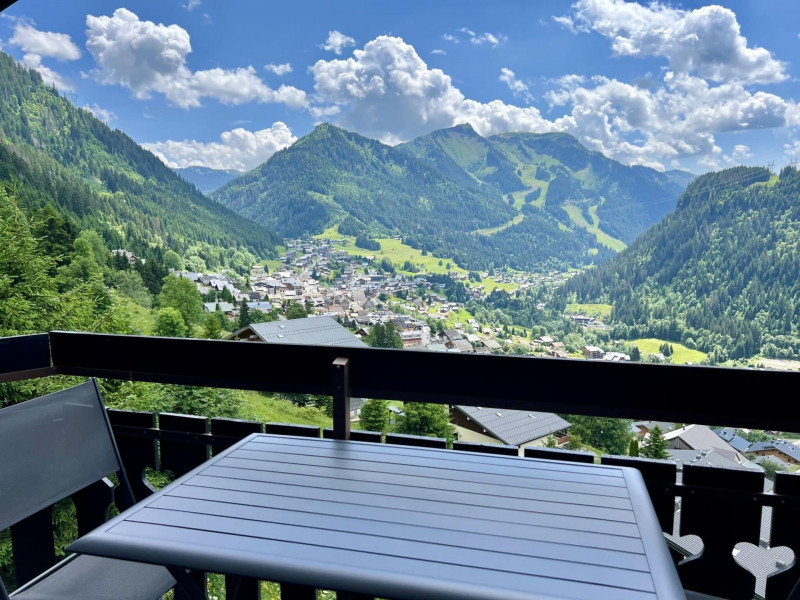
(529, 201)
(206, 179)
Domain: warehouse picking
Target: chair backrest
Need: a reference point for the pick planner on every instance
(53, 446)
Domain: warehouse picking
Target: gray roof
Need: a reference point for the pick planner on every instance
(223, 306)
(781, 446)
(713, 458)
(665, 426)
(733, 438)
(262, 305)
(311, 331)
(514, 427)
(699, 437)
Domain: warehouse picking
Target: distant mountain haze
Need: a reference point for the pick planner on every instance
(206, 179)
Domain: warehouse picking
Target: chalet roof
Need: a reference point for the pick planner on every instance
(311, 331)
(713, 458)
(781, 446)
(436, 347)
(223, 306)
(462, 345)
(699, 437)
(262, 305)
(733, 438)
(514, 427)
(665, 426)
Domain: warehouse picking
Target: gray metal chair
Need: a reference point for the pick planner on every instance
(53, 447)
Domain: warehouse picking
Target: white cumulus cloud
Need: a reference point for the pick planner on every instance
(237, 149)
(281, 69)
(387, 91)
(151, 58)
(337, 42)
(706, 41)
(101, 113)
(45, 44)
(518, 87)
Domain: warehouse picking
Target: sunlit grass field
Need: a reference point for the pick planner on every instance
(681, 354)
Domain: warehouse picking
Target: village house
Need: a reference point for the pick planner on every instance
(503, 426)
(784, 451)
(592, 352)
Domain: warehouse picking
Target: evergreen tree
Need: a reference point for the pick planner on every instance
(633, 449)
(244, 315)
(656, 445)
(212, 329)
(375, 415)
(384, 336)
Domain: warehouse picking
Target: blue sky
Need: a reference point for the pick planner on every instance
(226, 83)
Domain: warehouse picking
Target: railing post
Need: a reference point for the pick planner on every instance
(341, 399)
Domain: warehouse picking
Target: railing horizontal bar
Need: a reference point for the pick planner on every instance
(638, 390)
(172, 436)
(657, 488)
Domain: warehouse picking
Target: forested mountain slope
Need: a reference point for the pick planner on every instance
(720, 272)
(456, 194)
(102, 179)
(554, 173)
(332, 173)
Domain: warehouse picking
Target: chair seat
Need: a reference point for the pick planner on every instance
(83, 577)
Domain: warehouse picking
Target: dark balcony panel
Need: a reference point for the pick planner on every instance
(32, 545)
(291, 429)
(137, 449)
(785, 518)
(556, 454)
(501, 449)
(357, 435)
(227, 432)
(242, 588)
(721, 519)
(180, 456)
(416, 440)
(654, 472)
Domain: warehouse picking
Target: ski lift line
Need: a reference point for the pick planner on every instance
(664, 200)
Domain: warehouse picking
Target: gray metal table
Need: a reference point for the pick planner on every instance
(403, 522)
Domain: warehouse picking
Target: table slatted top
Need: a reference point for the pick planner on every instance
(403, 522)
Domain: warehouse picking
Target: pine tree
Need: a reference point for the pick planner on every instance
(656, 445)
(633, 450)
(244, 315)
(375, 415)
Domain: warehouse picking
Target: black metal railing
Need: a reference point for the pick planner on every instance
(723, 507)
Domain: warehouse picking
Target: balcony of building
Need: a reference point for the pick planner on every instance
(730, 517)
